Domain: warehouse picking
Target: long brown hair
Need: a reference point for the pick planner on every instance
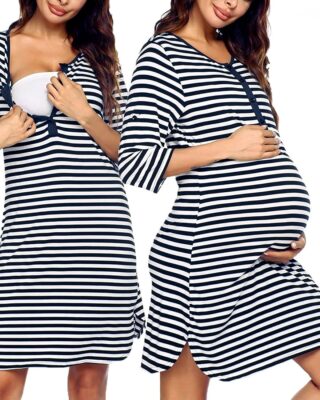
(246, 38)
(90, 31)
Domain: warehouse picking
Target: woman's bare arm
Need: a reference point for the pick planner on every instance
(106, 137)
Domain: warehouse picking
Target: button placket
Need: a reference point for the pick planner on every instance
(251, 97)
(7, 95)
(52, 126)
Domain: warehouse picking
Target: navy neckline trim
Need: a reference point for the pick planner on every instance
(63, 66)
(232, 59)
(6, 89)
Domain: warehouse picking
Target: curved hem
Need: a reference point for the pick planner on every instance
(218, 376)
(139, 327)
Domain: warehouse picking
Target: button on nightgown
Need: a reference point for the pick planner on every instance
(69, 292)
(239, 313)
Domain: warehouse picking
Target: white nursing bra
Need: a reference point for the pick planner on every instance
(31, 94)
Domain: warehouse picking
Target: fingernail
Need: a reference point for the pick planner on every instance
(294, 245)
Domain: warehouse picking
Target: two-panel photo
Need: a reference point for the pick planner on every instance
(229, 298)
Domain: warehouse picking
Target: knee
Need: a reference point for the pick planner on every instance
(88, 377)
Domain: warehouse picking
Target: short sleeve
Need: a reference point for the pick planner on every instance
(155, 103)
(121, 97)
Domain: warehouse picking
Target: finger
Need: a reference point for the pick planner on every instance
(32, 129)
(56, 83)
(24, 116)
(28, 123)
(268, 140)
(299, 244)
(270, 147)
(276, 260)
(52, 90)
(64, 79)
(287, 254)
(17, 110)
(53, 100)
(270, 154)
(276, 253)
(268, 134)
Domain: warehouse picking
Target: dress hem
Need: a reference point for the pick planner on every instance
(68, 364)
(218, 376)
(138, 331)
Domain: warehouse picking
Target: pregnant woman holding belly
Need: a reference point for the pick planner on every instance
(200, 108)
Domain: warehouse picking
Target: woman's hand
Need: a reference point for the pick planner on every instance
(15, 126)
(68, 97)
(253, 142)
(286, 255)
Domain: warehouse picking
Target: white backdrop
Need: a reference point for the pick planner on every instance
(295, 79)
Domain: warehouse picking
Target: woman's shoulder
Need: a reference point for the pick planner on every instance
(3, 38)
(162, 44)
(163, 38)
(3, 45)
(3, 58)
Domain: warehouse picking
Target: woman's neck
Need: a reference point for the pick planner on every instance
(37, 26)
(197, 28)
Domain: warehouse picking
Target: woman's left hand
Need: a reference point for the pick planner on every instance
(68, 97)
(286, 255)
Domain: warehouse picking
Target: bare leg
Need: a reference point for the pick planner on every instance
(184, 380)
(310, 362)
(87, 381)
(12, 383)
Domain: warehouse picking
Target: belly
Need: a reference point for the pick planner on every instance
(261, 203)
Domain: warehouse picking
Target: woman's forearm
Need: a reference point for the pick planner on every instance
(106, 137)
(183, 160)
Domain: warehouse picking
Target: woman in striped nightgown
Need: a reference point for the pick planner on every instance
(69, 294)
(205, 115)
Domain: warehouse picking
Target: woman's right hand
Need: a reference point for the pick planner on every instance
(15, 126)
(253, 142)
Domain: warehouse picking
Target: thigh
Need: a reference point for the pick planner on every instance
(310, 362)
(12, 383)
(184, 380)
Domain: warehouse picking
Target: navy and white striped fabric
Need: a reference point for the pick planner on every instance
(210, 287)
(69, 292)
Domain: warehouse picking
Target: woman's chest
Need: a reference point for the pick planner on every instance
(32, 56)
(79, 71)
(218, 100)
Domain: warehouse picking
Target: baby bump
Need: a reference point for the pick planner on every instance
(262, 203)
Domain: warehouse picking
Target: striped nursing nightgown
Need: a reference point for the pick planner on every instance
(69, 292)
(239, 313)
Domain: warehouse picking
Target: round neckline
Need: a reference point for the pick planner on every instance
(232, 59)
(10, 82)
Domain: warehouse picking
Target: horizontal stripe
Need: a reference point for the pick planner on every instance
(210, 287)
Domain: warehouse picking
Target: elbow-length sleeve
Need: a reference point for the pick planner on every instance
(155, 102)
